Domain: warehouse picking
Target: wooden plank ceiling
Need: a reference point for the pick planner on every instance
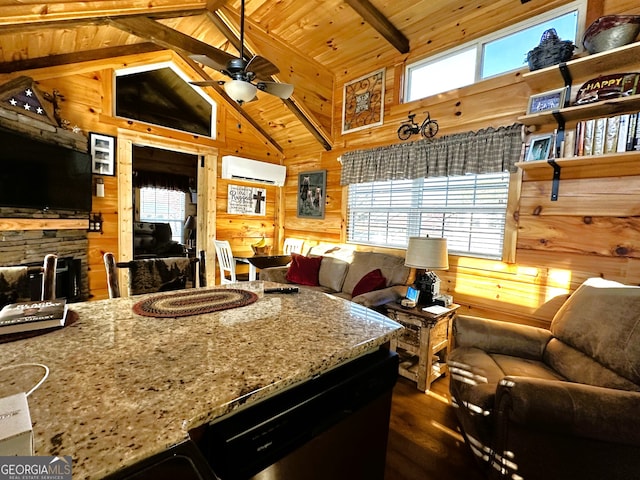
(316, 44)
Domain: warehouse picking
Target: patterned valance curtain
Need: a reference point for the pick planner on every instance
(167, 181)
(486, 151)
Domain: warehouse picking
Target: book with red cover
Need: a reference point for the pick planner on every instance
(33, 315)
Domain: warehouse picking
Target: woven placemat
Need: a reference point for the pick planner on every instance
(196, 302)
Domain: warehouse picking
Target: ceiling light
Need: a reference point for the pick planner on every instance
(240, 91)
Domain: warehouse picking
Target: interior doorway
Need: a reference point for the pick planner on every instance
(164, 193)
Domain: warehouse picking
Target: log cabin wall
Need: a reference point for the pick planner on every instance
(589, 231)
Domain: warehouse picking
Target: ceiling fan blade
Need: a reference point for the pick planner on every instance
(261, 67)
(282, 90)
(216, 64)
(206, 83)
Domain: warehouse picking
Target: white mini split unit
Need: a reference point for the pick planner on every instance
(243, 169)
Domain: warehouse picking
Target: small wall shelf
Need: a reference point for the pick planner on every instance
(610, 165)
(583, 68)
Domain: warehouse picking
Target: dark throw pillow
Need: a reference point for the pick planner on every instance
(304, 270)
(373, 280)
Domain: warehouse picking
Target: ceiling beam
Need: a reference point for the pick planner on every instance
(380, 23)
(78, 57)
(230, 35)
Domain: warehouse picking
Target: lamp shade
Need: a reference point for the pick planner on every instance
(428, 253)
(240, 91)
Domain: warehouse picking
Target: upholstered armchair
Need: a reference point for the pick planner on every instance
(559, 403)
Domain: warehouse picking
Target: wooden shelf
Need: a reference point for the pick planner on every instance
(604, 108)
(610, 165)
(7, 224)
(584, 68)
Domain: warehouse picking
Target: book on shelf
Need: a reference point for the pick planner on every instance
(611, 134)
(636, 137)
(633, 125)
(33, 315)
(569, 144)
(589, 133)
(623, 132)
(599, 134)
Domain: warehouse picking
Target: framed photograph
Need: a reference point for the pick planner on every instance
(551, 100)
(103, 154)
(363, 102)
(540, 147)
(312, 187)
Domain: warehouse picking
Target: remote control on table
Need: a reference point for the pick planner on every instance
(282, 290)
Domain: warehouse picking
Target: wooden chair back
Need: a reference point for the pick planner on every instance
(226, 262)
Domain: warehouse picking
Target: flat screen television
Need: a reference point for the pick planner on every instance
(43, 176)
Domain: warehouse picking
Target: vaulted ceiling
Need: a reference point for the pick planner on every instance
(316, 44)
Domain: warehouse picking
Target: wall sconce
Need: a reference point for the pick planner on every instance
(95, 222)
(99, 187)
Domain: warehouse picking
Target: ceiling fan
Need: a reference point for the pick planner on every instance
(247, 76)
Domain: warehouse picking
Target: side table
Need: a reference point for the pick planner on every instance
(423, 344)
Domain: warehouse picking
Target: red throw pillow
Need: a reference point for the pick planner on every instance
(373, 280)
(304, 270)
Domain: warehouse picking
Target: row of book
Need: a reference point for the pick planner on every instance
(599, 136)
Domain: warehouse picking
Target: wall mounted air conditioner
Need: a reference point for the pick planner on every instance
(237, 168)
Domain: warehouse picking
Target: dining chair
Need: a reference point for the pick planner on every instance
(15, 283)
(151, 275)
(292, 245)
(226, 263)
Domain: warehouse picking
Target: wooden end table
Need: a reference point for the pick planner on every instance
(423, 344)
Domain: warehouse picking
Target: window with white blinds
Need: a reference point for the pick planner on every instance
(469, 211)
(163, 206)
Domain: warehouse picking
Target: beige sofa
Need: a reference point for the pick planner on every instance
(341, 268)
(559, 403)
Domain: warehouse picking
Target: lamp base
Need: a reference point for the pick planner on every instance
(428, 284)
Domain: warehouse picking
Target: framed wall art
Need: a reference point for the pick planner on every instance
(312, 187)
(540, 147)
(363, 102)
(103, 154)
(551, 100)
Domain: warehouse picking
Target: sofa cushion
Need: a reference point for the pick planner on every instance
(304, 270)
(391, 266)
(332, 272)
(602, 320)
(374, 280)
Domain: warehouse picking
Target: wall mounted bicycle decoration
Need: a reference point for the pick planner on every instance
(428, 128)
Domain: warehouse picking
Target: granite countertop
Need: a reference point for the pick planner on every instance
(123, 387)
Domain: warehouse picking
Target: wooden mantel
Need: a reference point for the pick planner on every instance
(13, 224)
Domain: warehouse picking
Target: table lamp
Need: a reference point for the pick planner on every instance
(429, 254)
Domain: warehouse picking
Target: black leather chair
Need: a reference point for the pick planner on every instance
(154, 240)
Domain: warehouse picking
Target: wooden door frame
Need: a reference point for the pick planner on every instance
(206, 206)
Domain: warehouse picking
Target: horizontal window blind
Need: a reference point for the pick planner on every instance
(469, 211)
(163, 206)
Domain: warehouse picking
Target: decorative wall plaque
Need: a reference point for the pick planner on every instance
(363, 102)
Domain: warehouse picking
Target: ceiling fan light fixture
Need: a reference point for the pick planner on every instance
(240, 91)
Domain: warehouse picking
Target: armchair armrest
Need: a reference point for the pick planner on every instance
(380, 297)
(494, 336)
(572, 409)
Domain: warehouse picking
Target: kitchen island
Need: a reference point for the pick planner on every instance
(124, 387)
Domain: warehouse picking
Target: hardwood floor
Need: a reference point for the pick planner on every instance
(424, 438)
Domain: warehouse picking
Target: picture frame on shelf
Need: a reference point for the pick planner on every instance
(103, 154)
(312, 187)
(545, 101)
(540, 147)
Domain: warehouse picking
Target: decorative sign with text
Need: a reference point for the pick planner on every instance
(246, 200)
